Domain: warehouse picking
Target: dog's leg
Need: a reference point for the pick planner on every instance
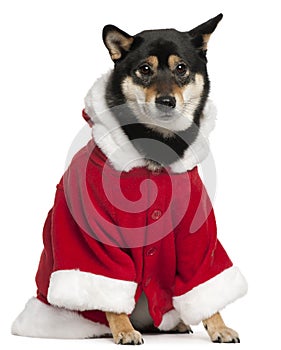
(122, 330)
(218, 331)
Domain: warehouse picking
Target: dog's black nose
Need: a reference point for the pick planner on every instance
(165, 103)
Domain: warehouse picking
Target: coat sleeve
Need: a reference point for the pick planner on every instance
(206, 279)
(86, 273)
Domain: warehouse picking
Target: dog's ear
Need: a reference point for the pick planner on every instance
(116, 41)
(201, 34)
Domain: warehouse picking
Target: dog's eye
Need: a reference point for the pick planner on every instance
(181, 69)
(145, 69)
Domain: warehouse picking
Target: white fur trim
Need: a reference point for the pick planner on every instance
(107, 132)
(199, 150)
(120, 151)
(210, 297)
(169, 321)
(46, 321)
(78, 290)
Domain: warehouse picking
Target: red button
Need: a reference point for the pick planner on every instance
(156, 214)
(151, 251)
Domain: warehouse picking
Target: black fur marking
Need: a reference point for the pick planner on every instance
(164, 150)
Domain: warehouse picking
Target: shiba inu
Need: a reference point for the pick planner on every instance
(131, 244)
(161, 75)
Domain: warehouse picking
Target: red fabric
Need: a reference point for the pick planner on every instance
(87, 118)
(153, 245)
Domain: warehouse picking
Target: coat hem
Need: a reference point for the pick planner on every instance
(46, 321)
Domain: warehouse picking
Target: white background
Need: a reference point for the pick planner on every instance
(52, 52)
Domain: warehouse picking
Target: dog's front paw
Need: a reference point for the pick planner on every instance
(129, 338)
(224, 335)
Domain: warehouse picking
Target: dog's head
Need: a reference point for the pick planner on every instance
(161, 74)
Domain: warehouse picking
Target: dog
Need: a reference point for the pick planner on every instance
(149, 114)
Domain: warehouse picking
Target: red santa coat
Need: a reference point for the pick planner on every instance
(99, 257)
(118, 231)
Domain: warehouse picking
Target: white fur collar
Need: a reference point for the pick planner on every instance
(115, 144)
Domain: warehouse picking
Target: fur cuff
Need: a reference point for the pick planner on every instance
(77, 290)
(210, 297)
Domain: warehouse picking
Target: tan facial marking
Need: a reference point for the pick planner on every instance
(153, 62)
(150, 93)
(177, 92)
(173, 61)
